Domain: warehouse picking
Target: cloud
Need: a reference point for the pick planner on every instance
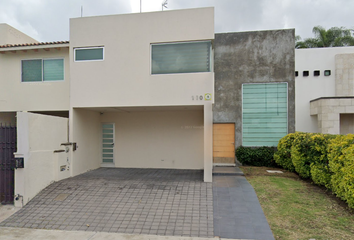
(48, 20)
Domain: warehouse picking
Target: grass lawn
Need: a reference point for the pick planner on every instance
(297, 209)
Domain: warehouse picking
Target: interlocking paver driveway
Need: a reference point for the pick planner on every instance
(146, 201)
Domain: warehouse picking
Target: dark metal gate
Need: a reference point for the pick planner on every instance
(7, 163)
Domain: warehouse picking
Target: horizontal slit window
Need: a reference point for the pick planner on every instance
(88, 54)
(187, 57)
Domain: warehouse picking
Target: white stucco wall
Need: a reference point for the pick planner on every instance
(32, 96)
(169, 139)
(123, 78)
(10, 35)
(37, 138)
(311, 87)
(85, 131)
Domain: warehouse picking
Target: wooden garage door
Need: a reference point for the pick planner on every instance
(224, 143)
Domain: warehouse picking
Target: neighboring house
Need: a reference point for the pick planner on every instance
(254, 90)
(32, 75)
(137, 91)
(325, 90)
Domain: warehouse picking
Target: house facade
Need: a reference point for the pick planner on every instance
(145, 100)
(254, 90)
(146, 90)
(325, 90)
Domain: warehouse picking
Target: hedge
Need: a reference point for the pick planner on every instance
(283, 156)
(341, 164)
(256, 156)
(326, 159)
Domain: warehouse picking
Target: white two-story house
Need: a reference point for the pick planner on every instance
(135, 91)
(141, 90)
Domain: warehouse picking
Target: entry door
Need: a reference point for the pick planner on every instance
(107, 142)
(224, 143)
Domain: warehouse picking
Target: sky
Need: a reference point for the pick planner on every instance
(48, 20)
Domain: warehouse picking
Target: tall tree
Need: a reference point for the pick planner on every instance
(333, 37)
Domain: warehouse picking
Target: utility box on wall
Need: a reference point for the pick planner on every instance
(19, 163)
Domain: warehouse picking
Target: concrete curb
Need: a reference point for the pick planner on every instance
(39, 234)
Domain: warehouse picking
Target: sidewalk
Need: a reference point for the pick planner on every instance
(37, 234)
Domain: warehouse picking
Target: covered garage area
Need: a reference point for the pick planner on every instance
(169, 137)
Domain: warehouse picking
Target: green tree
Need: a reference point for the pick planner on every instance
(333, 37)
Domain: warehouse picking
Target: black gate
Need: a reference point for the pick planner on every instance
(7, 163)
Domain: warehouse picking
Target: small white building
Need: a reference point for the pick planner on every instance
(324, 82)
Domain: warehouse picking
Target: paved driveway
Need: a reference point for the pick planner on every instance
(140, 201)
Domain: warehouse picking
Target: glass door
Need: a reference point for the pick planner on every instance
(107, 142)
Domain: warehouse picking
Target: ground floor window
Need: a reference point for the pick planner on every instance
(264, 113)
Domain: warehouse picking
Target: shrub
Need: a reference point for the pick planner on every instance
(256, 156)
(321, 175)
(283, 156)
(309, 156)
(341, 164)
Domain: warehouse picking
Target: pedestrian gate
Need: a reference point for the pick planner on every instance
(7, 163)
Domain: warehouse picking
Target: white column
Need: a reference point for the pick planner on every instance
(208, 142)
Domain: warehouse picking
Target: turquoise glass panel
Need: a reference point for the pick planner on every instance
(107, 135)
(107, 130)
(181, 57)
(53, 69)
(108, 145)
(264, 114)
(32, 70)
(89, 54)
(107, 160)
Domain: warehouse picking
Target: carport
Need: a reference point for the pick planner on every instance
(141, 201)
(168, 137)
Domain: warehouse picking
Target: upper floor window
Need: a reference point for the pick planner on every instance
(88, 54)
(38, 70)
(186, 57)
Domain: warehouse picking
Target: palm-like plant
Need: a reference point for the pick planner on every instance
(333, 37)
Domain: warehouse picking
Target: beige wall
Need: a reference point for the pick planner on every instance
(345, 74)
(38, 136)
(10, 35)
(328, 113)
(32, 96)
(346, 123)
(85, 131)
(123, 78)
(170, 139)
(8, 118)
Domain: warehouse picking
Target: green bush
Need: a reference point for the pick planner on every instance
(283, 156)
(341, 164)
(309, 156)
(256, 156)
(327, 159)
(321, 175)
